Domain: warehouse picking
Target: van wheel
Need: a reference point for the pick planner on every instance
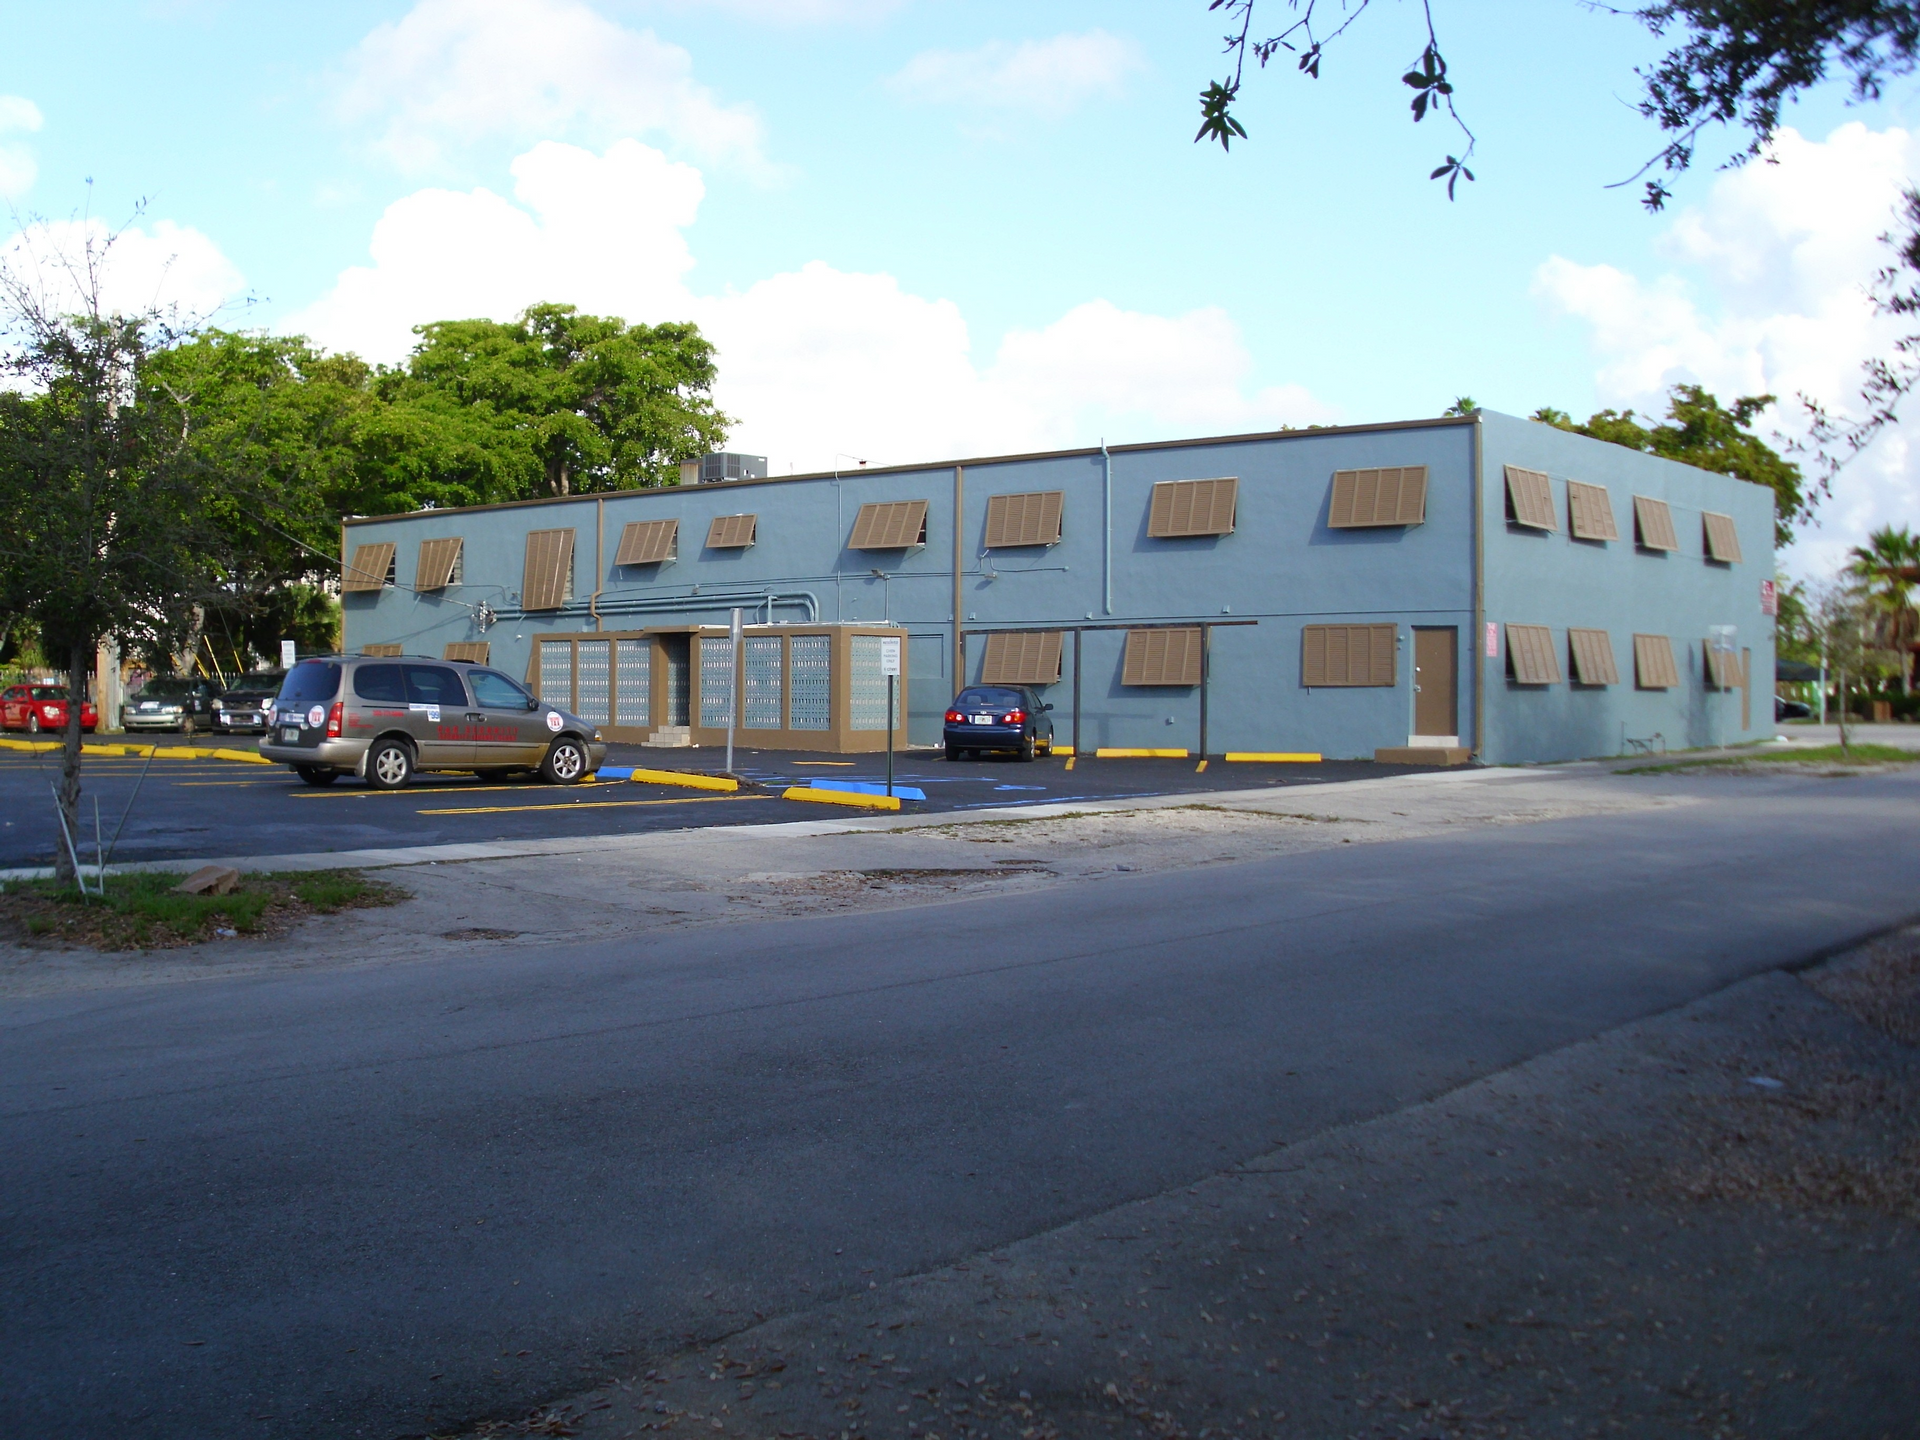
(389, 765)
(318, 775)
(566, 762)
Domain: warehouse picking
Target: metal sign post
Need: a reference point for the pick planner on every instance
(733, 683)
(890, 667)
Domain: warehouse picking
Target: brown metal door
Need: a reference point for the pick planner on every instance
(1435, 663)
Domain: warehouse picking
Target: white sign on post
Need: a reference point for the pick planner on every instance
(890, 655)
(286, 654)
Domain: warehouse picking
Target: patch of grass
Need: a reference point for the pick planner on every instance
(1812, 755)
(142, 909)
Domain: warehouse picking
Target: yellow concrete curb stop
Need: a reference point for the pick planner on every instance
(141, 752)
(1277, 757)
(682, 777)
(843, 797)
(1105, 754)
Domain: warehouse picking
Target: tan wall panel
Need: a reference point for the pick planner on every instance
(1530, 655)
(1032, 658)
(369, 568)
(1723, 667)
(437, 559)
(1653, 666)
(1530, 499)
(548, 578)
(1592, 657)
(1193, 507)
(1390, 496)
(647, 542)
(889, 525)
(1722, 539)
(1162, 657)
(1653, 524)
(384, 651)
(732, 532)
(1590, 512)
(1029, 519)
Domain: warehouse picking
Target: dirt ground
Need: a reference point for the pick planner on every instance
(1706, 1224)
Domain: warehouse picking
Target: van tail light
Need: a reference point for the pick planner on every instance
(1016, 717)
(954, 717)
(333, 720)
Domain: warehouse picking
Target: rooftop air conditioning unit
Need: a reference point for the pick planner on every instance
(713, 469)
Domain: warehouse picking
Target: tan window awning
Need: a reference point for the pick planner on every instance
(1030, 519)
(1192, 507)
(890, 525)
(1590, 511)
(1391, 496)
(547, 582)
(648, 542)
(1530, 657)
(474, 651)
(1723, 667)
(438, 561)
(1722, 540)
(1162, 657)
(1653, 667)
(370, 569)
(1653, 524)
(1530, 499)
(732, 532)
(1334, 655)
(1032, 658)
(384, 651)
(1592, 657)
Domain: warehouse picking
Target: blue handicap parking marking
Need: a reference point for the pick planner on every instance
(870, 787)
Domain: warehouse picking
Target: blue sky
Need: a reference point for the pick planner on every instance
(921, 229)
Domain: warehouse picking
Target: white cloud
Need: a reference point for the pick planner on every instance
(175, 270)
(1046, 77)
(1769, 296)
(17, 168)
(451, 73)
(814, 363)
(800, 12)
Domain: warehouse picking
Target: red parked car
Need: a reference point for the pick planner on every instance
(41, 707)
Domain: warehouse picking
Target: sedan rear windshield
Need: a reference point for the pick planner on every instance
(170, 687)
(261, 682)
(983, 699)
(49, 692)
(310, 681)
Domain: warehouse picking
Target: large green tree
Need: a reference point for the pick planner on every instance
(1700, 431)
(553, 403)
(110, 511)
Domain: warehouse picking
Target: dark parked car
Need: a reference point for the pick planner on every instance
(999, 717)
(1785, 709)
(245, 705)
(185, 704)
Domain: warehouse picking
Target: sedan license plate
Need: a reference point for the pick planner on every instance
(290, 735)
(980, 719)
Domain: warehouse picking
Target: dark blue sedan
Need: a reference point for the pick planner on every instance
(999, 717)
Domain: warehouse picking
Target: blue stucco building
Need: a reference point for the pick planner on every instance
(1480, 585)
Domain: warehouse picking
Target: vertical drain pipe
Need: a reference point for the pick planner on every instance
(959, 635)
(1106, 532)
(599, 557)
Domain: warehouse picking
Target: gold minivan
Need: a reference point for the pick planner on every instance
(384, 718)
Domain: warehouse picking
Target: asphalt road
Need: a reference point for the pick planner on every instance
(201, 808)
(382, 1201)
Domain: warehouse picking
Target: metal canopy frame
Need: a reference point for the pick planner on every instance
(1205, 627)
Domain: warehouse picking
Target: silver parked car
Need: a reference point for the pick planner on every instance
(383, 719)
(184, 703)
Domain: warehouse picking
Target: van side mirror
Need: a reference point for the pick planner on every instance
(532, 704)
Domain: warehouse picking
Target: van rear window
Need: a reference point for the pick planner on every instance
(311, 681)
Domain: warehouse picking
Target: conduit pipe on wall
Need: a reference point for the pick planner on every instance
(1106, 527)
(658, 604)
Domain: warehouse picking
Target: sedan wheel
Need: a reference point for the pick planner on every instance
(33, 722)
(1026, 747)
(389, 765)
(566, 762)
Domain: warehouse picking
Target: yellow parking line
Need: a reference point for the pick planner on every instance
(588, 805)
(414, 792)
(203, 784)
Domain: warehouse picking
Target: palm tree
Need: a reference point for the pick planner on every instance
(1889, 565)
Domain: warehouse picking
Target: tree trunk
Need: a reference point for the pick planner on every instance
(1843, 712)
(69, 793)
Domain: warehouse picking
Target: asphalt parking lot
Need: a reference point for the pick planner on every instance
(196, 807)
